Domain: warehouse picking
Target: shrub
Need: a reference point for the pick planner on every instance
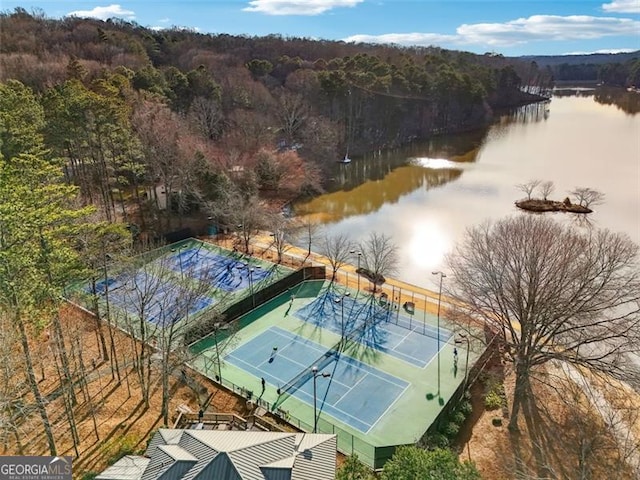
(492, 400)
(451, 429)
(466, 408)
(458, 417)
(121, 447)
(437, 440)
(89, 475)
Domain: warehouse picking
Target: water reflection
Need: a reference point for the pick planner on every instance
(368, 183)
(627, 101)
(536, 112)
(371, 195)
(426, 195)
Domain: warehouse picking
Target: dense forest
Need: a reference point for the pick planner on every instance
(137, 115)
(616, 70)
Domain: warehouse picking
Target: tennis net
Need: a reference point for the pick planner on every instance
(305, 375)
(331, 355)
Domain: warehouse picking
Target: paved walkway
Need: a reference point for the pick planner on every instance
(624, 435)
(397, 290)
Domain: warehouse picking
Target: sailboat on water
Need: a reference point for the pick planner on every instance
(346, 159)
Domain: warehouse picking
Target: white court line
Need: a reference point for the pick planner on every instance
(304, 366)
(331, 406)
(349, 360)
(248, 364)
(351, 388)
(388, 408)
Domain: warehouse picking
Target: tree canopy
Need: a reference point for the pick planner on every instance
(411, 463)
(550, 292)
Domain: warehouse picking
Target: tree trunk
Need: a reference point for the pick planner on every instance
(34, 386)
(519, 394)
(64, 360)
(165, 390)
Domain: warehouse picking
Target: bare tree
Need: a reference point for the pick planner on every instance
(586, 196)
(379, 258)
(292, 113)
(284, 234)
(244, 214)
(337, 249)
(550, 293)
(140, 315)
(14, 408)
(546, 188)
(206, 115)
(179, 307)
(528, 188)
(308, 229)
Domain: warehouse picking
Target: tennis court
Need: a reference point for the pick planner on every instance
(178, 282)
(384, 387)
(161, 301)
(375, 326)
(345, 394)
(224, 272)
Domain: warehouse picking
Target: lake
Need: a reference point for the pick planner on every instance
(426, 195)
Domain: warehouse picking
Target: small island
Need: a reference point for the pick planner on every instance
(541, 205)
(584, 197)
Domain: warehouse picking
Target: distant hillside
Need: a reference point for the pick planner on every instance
(614, 69)
(592, 58)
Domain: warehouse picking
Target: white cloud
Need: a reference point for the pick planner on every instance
(622, 6)
(164, 20)
(515, 32)
(297, 7)
(605, 50)
(104, 13)
(405, 38)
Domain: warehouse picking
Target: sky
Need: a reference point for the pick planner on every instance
(508, 27)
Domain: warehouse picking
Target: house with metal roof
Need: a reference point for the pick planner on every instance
(175, 454)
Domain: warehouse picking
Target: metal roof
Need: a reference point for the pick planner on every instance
(177, 452)
(284, 463)
(230, 441)
(237, 455)
(129, 467)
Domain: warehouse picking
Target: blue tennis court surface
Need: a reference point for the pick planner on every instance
(384, 330)
(221, 271)
(158, 300)
(355, 393)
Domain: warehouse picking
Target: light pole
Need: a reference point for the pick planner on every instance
(458, 341)
(442, 275)
(177, 249)
(315, 408)
(216, 328)
(358, 270)
(340, 300)
(253, 297)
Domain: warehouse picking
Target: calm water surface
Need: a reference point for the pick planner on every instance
(425, 196)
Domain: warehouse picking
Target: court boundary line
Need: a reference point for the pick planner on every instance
(383, 414)
(348, 359)
(418, 363)
(322, 403)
